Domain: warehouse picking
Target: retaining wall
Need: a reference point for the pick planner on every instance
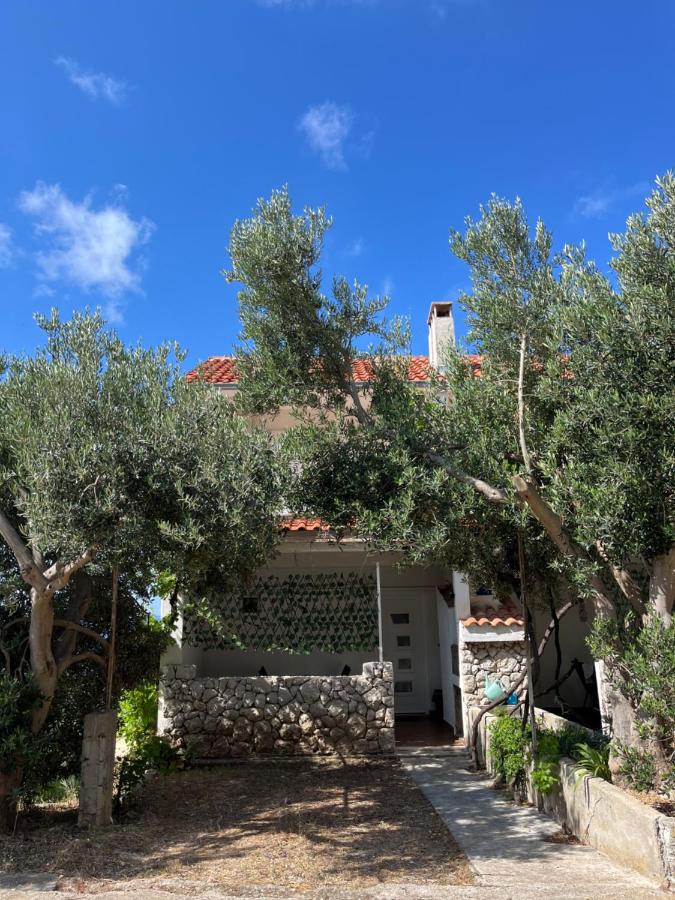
(288, 715)
(599, 813)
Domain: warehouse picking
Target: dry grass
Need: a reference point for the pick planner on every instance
(296, 824)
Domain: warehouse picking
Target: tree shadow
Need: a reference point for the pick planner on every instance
(285, 822)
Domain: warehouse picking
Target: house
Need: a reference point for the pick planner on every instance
(333, 643)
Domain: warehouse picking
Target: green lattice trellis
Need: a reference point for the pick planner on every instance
(331, 612)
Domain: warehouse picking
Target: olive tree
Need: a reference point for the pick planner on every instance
(566, 438)
(109, 459)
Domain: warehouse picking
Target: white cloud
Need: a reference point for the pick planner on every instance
(594, 204)
(6, 248)
(91, 249)
(387, 287)
(326, 128)
(97, 85)
(599, 201)
(356, 248)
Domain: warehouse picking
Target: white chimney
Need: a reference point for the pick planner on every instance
(441, 333)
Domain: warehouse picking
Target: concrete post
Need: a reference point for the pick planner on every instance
(98, 761)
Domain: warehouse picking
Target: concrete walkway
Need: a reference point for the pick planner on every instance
(507, 844)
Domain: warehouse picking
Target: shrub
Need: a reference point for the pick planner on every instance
(637, 767)
(60, 790)
(147, 751)
(138, 714)
(545, 776)
(592, 761)
(508, 745)
(641, 663)
(511, 753)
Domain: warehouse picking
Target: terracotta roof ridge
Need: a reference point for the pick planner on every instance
(506, 614)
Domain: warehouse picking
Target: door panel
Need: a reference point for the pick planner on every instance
(405, 640)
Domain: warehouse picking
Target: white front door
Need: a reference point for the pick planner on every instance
(404, 635)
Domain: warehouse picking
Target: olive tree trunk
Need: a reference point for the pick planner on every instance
(10, 782)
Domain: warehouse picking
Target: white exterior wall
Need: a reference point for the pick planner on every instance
(412, 589)
(447, 633)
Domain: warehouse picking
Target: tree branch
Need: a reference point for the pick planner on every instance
(81, 629)
(60, 574)
(623, 579)
(521, 406)
(493, 494)
(360, 412)
(29, 571)
(552, 524)
(662, 585)
(82, 657)
(78, 605)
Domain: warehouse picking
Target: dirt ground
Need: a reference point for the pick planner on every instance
(294, 825)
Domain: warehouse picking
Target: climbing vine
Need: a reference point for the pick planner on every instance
(331, 612)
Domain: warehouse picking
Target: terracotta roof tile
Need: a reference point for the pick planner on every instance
(222, 369)
(490, 617)
(303, 524)
(216, 370)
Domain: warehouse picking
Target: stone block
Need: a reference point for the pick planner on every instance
(356, 726)
(311, 691)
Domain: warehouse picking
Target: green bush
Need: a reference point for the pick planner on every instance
(640, 661)
(60, 790)
(138, 714)
(592, 760)
(508, 748)
(637, 768)
(545, 775)
(152, 754)
(147, 751)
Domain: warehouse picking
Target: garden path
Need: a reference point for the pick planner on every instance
(512, 848)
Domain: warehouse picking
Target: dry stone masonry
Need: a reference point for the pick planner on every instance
(223, 717)
(501, 660)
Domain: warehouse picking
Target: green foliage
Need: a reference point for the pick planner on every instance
(545, 776)
(300, 613)
(592, 761)
(146, 751)
(298, 342)
(637, 767)
(598, 425)
(152, 754)
(642, 660)
(138, 713)
(508, 749)
(571, 737)
(17, 700)
(61, 790)
(105, 448)
(153, 472)
(141, 640)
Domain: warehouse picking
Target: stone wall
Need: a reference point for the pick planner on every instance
(222, 717)
(499, 659)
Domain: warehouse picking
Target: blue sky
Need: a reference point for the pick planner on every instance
(134, 134)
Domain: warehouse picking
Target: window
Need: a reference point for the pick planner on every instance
(403, 687)
(400, 619)
(405, 663)
(402, 640)
(454, 653)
